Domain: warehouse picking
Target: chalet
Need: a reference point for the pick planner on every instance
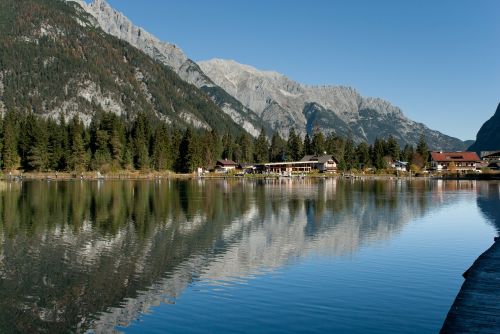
(494, 165)
(327, 163)
(401, 166)
(458, 161)
(224, 166)
(490, 156)
(324, 163)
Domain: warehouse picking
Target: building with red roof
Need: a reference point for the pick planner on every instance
(454, 161)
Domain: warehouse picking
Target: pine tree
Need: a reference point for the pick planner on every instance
(294, 147)
(141, 134)
(423, 149)
(318, 143)
(261, 147)
(393, 149)
(277, 148)
(10, 157)
(161, 149)
(349, 154)
(378, 154)
(78, 156)
(246, 143)
(308, 148)
(363, 155)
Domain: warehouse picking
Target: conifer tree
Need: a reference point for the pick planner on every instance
(308, 148)
(423, 149)
(161, 149)
(294, 147)
(277, 148)
(10, 157)
(78, 156)
(318, 143)
(261, 147)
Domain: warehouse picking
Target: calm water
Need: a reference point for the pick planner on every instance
(231, 256)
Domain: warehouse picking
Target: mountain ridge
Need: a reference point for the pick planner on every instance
(117, 24)
(339, 109)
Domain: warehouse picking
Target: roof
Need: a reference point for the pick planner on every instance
(226, 163)
(454, 156)
(309, 158)
(325, 158)
(491, 154)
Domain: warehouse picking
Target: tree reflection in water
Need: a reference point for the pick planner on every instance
(80, 255)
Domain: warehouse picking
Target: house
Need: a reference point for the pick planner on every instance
(454, 161)
(224, 166)
(327, 163)
(490, 156)
(247, 168)
(401, 166)
(494, 165)
(324, 163)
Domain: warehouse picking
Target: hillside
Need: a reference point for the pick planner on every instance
(54, 60)
(118, 25)
(488, 137)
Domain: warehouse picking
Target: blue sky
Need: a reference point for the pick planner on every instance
(439, 61)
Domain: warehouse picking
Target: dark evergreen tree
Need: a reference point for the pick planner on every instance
(308, 147)
(277, 152)
(261, 147)
(423, 149)
(318, 143)
(10, 157)
(294, 147)
(78, 156)
(349, 154)
(161, 149)
(393, 149)
(362, 155)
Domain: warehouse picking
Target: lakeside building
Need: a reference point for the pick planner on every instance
(457, 161)
(323, 163)
(401, 166)
(490, 156)
(224, 166)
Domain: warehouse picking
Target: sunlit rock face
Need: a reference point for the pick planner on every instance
(97, 255)
(284, 103)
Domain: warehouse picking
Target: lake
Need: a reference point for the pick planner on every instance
(238, 256)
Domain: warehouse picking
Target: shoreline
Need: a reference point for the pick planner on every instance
(477, 305)
(137, 175)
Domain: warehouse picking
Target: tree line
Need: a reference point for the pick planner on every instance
(111, 143)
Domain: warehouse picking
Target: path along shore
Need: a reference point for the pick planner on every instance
(477, 306)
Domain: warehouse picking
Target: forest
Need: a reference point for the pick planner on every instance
(30, 142)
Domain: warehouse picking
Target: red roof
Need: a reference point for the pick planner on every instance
(454, 156)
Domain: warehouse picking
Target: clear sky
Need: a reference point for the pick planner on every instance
(439, 61)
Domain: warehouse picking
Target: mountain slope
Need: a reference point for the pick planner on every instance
(488, 137)
(118, 25)
(53, 60)
(283, 103)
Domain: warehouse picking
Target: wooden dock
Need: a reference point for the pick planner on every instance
(477, 306)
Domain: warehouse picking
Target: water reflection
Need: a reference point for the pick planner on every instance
(489, 202)
(79, 255)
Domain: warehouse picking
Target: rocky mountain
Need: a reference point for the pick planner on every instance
(54, 60)
(255, 98)
(488, 137)
(283, 103)
(118, 25)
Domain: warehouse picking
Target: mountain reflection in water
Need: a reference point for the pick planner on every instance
(79, 256)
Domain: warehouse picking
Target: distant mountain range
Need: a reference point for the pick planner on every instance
(58, 59)
(488, 137)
